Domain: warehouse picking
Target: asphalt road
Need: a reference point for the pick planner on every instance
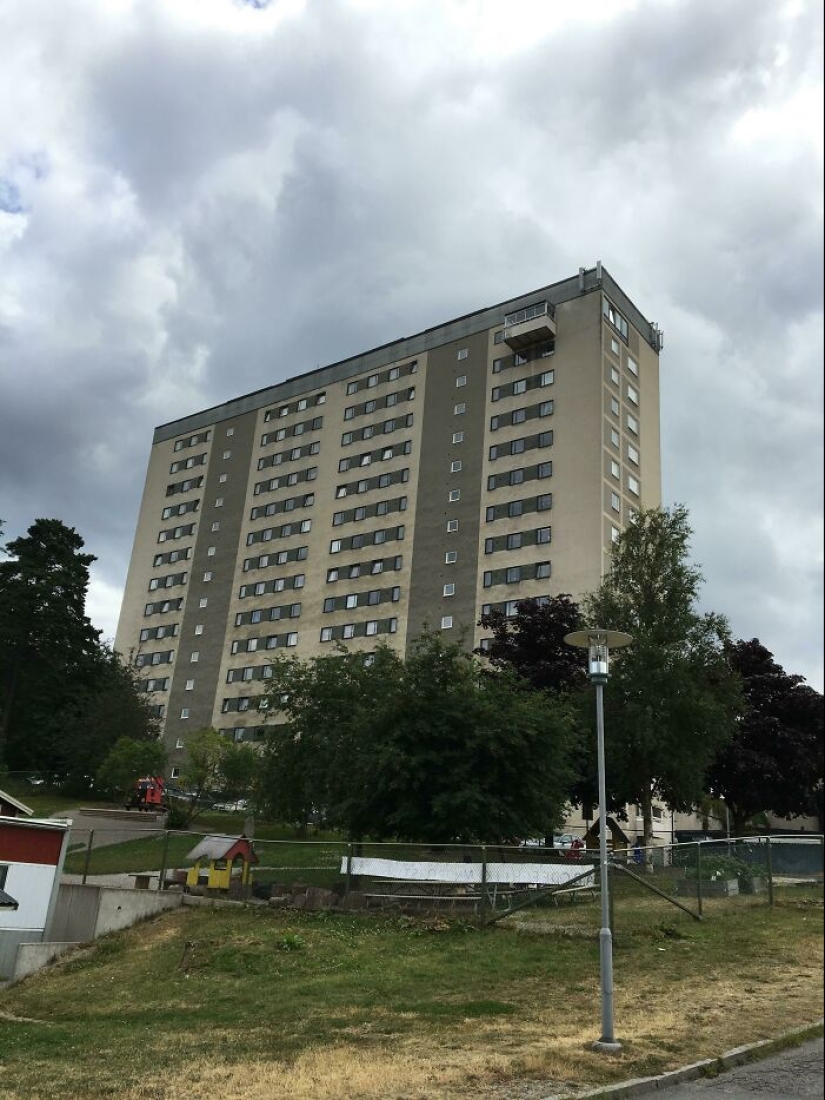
(790, 1075)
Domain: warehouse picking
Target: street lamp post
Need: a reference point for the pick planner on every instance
(598, 643)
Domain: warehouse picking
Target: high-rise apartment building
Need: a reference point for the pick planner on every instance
(478, 463)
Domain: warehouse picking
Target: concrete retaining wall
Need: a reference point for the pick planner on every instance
(33, 956)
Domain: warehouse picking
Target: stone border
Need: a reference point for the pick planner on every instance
(708, 1067)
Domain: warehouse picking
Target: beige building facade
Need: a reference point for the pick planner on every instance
(483, 461)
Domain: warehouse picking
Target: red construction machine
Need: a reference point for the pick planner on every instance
(147, 793)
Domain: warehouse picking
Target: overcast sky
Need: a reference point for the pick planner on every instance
(199, 198)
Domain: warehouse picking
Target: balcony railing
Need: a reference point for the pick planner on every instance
(529, 326)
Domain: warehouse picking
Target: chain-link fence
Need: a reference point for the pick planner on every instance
(492, 880)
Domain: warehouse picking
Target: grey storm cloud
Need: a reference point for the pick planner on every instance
(200, 199)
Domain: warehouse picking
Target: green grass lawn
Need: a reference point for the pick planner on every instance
(252, 1003)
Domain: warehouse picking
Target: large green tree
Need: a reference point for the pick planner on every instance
(48, 647)
(428, 749)
(774, 762)
(672, 698)
(65, 698)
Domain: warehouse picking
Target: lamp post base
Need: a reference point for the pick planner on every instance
(607, 1046)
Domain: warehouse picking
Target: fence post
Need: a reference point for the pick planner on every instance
(769, 868)
(699, 875)
(162, 875)
(485, 901)
(348, 879)
(88, 856)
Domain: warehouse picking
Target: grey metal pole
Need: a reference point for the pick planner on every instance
(607, 1042)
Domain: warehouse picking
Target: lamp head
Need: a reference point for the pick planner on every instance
(598, 644)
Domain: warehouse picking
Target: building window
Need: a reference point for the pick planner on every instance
(632, 395)
(179, 743)
(194, 657)
(448, 590)
(455, 467)
(207, 576)
(455, 494)
(614, 346)
(458, 437)
(452, 525)
(460, 409)
(190, 686)
(326, 633)
(462, 353)
(216, 526)
(175, 773)
(542, 570)
(210, 551)
(614, 468)
(446, 622)
(633, 484)
(203, 601)
(199, 628)
(461, 381)
(632, 365)
(633, 455)
(451, 557)
(614, 534)
(227, 454)
(614, 406)
(615, 503)
(222, 479)
(632, 424)
(219, 502)
(542, 535)
(614, 376)
(230, 431)
(614, 437)
(184, 712)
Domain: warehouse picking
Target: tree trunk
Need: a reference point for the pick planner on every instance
(647, 828)
(5, 714)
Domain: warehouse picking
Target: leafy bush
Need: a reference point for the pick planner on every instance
(722, 867)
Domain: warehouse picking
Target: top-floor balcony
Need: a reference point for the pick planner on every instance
(529, 326)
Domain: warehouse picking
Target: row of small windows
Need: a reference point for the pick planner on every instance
(163, 607)
(382, 454)
(270, 641)
(277, 506)
(181, 509)
(172, 556)
(519, 446)
(267, 534)
(286, 480)
(518, 477)
(513, 508)
(188, 463)
(388, 401)
(364, 568)
(520, 358)
(630, 363)
(193, 440)
(283, 557)
(300, 405)
(362, 599)
(268, 614)
(155, 633)
(171, 580)
(369, 538)
(277, 584)
(371, 430)
(243, 703)
(519, 416)
(390, 375)
(369, 511)
(369, 629)
(262, 672)
(184, 486)
(160, 658)
(157, 683)
(523, 385)
(292, 455)
(541, 536)
(380, 481)
(292, 431)
(515, 574)
(176, 532)
(510, 607)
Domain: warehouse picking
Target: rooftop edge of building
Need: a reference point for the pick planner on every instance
(586, 281)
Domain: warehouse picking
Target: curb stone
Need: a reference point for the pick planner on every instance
(708, 1067)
